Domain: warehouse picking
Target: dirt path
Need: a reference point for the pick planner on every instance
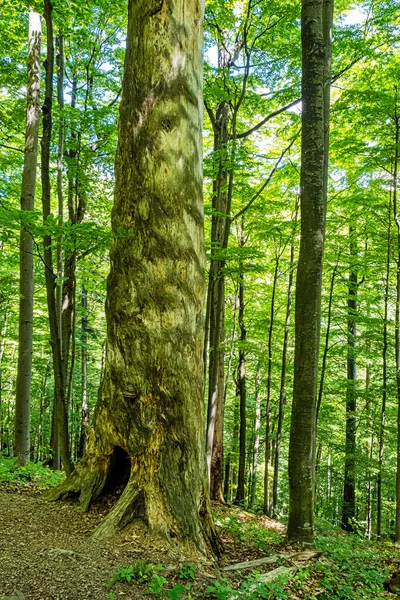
(46, 552)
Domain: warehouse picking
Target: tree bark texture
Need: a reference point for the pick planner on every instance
(148, 428)
(25, 336)
(309, 272)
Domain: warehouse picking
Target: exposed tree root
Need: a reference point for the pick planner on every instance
(143, 498)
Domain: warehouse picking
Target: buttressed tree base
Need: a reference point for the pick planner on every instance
(149, 426)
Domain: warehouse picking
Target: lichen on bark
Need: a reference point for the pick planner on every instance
(150, 404)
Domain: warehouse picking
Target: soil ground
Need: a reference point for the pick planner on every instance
(47, 553)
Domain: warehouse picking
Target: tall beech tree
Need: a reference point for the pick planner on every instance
(25, 337)
(316, 22)
(149, 422)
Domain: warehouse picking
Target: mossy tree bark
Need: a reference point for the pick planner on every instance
(149, 421)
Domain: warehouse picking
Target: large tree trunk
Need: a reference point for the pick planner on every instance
(315, 96)
(149, 421)
(25, 336)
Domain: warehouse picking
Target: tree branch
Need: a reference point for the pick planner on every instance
(266, 182)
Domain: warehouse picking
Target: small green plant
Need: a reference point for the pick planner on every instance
(187, 571)
(156, 585)
(144, 571)
(221, 589)
(111, 597)
(141, 571)
(176, 592)
(123, 574)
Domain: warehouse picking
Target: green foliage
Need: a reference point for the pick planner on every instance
(34, 472)
(252, 588)
(156, 585)
(140, 572)
(124, 574)
(250, 532)
(176, 592)
(354, 571)
(187, 571)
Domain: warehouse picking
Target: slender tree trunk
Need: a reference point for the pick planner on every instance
(2, 347)
(327, 334)
(61, 414)
(349, 492)
(148, 430)
(269, 380)
(256, 447)
(240, 493)
(25, 336)
(283, 373)
(84, 407)
(234, 455)
(313, 186)
(384, 381)
(60, 151)
(397, 321)
(10, 391)
(216, 310)
(42, 440)
(369, 411)
(55, 461)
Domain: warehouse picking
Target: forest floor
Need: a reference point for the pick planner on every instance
(46, 553)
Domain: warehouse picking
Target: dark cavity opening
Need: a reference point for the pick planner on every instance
(119, 472)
